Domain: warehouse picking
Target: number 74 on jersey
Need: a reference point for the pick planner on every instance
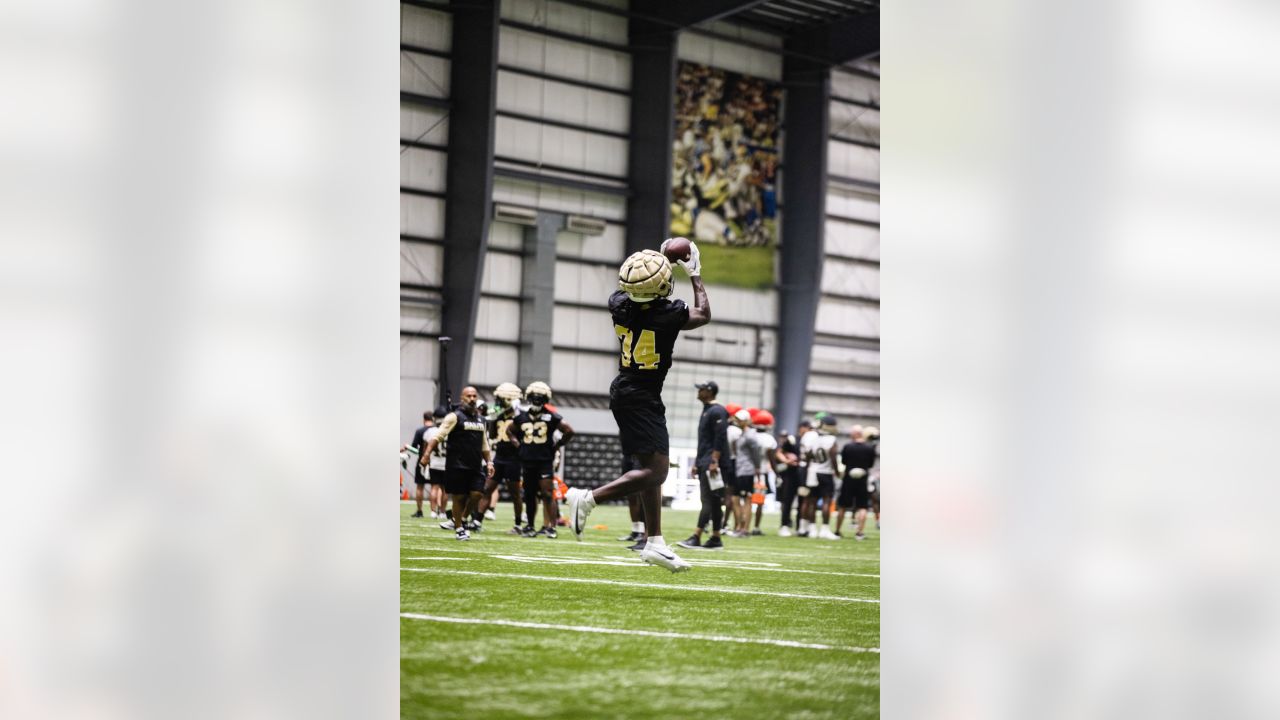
(642, 352)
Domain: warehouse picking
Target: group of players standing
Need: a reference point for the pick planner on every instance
(469, 452)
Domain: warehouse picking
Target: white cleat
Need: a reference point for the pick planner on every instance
(662, 556)
(446, 525)
(826, 534)
(489, 515)
(784, 531)
(581, 503)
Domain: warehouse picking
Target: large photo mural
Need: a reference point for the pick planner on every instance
(724, 172)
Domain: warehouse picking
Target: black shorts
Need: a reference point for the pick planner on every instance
(743, 484)
(418, 477)
(535, 473)
(436, 477)
(506, 472)
(641, 418)
(826, 485)
(459, 481)
(854, 493)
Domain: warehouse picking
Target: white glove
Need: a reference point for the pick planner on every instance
(692, 266)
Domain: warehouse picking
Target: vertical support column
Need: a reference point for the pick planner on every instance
(537, 293)
(469, 176)
(653, 98)
(804, 181)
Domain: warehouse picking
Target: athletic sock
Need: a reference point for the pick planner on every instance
(655, 540)
(637, 527)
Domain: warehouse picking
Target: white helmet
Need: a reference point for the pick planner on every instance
(871, 431)
(645, 276)
(538, 393)
(507, 393)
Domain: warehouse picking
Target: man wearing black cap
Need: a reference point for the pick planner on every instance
(713, 444)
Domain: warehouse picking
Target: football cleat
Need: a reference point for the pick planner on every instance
(691, 542)
(644, 540)
(645, 276)
(462, 534)
(662, 556)
(714, 543)
(784, 531)
(551, 533)
(489, 515)
(634, 536)
(581, 503)
(516, 530)
(446, 525)
(417, 514)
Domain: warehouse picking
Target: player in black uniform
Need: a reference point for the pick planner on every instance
(857, 457)
(506, 460)
(533, 431)
(467, 463)
(419, 478)
(646, 324)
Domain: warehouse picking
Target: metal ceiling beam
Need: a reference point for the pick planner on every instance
(852, 38)
(691, 13)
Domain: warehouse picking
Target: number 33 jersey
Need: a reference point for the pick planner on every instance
(536, 431)
(647, 337)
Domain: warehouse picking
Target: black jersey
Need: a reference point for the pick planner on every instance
(537, 435)
(504, 449)
(647, 337)
(466, 441)
(858, 455)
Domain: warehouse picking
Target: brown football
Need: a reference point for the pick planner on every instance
(677, 249)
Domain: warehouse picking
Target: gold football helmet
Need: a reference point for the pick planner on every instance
(538, 393)
(645, 276)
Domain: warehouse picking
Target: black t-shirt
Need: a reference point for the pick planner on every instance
(858, 455)
(466, 442)
(504, 450)
(790, 447)
(647, 338)
(537, 435)
(713, 435)
(417, 438)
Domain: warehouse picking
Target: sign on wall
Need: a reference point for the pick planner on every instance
(724, 172)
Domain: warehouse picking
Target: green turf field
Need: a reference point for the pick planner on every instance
(805, 613)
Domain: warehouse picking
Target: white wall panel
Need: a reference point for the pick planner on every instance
(855, 87)
(550, 197)
(727, 303)
(846, 278)
(419, 367)
(834, 386)
(422, 216)
(853, 239)
(579, 327)
(502, 273)
(564, 58)
(853, 161)
(855, 122)
(582, 372)
(429, 125)
(590, 284)
(424, 74)
(575, 149)
(607, 246)
(426, 28)
(420, 318)
(846, 408)
(558, 101)
(422, 169)
(568, 19)
(840, 317)
(729, 56)
(498, 319)
(853, 205)
(492, 365)
(828, 358)
(506, 235)
(421, 264)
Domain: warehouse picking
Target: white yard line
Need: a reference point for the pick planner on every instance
(626, 583)
(502, 536)
(633, 560)
(641, 633)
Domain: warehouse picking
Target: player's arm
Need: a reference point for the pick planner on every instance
(722, 438)
(484, 453)
(700, 313)
(511, 433)
(566, 433)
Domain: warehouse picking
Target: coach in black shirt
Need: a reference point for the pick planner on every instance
(713, 445)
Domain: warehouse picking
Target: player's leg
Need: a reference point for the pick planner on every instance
(482, 506)
(530, 473)
(516, 488)
(786, 497)
(635, 507)
(547, 491)
(419, 484)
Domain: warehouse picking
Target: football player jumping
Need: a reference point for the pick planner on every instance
(646, 323)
